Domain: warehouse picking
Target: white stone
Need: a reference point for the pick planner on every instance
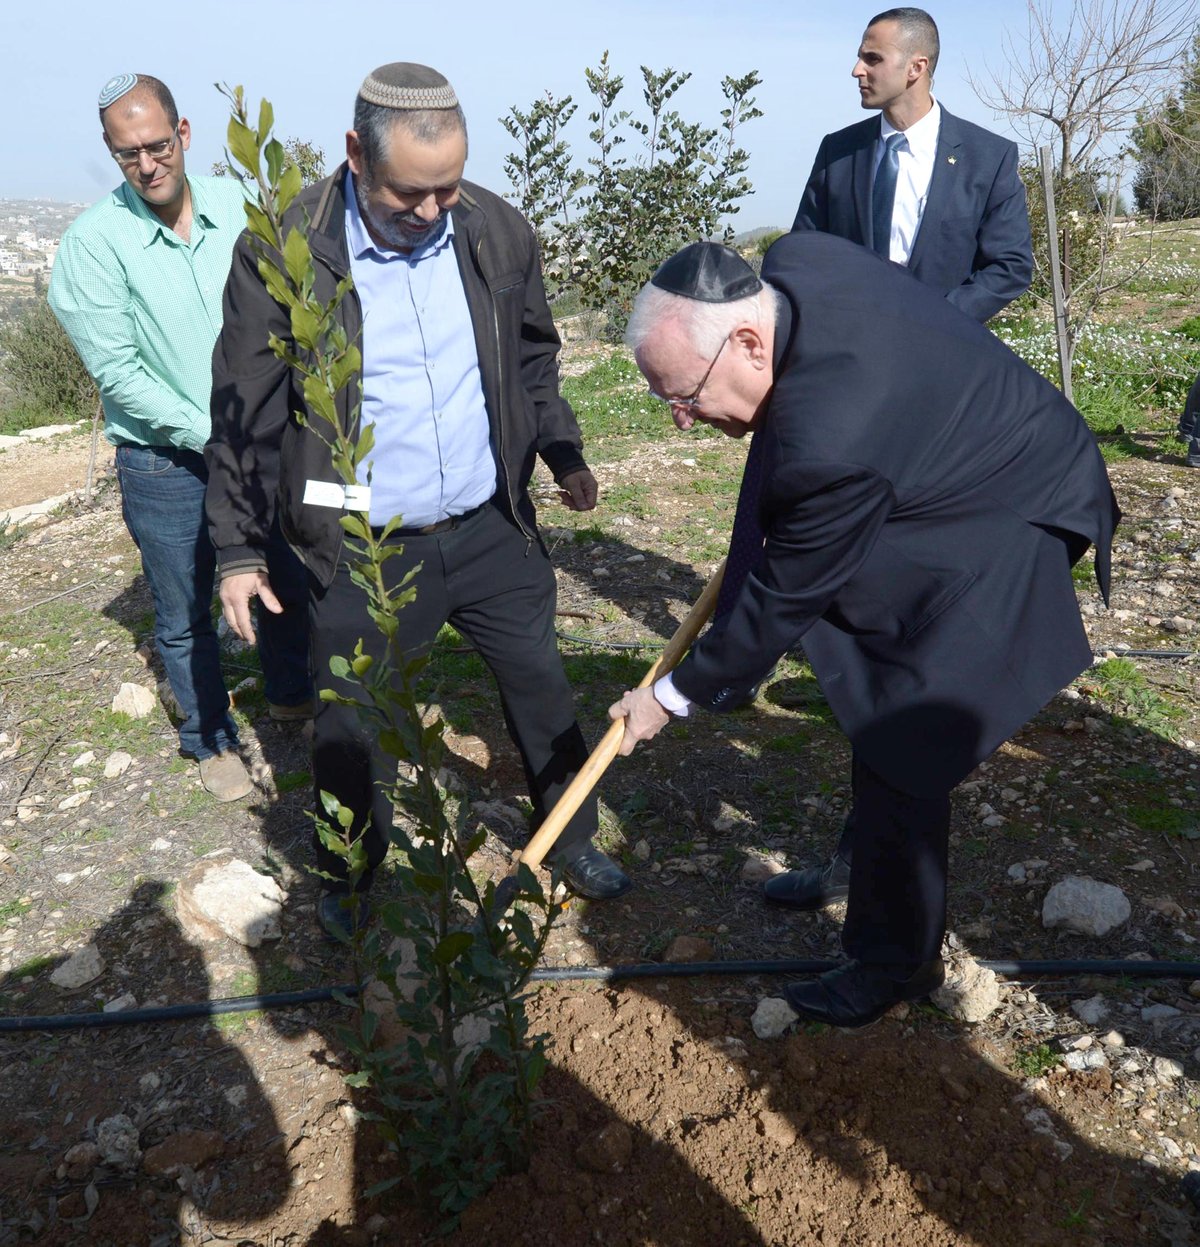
(773, 1017)
(1090, 1012)
(641, 850)
(1085, 906)
(74, 801)
(84, 759)
(1114, 1039)
(1167, 1069)
(117, 1139)
(135, 700)
(970, 993)
(79, 968)
(757, 869)
(160, 845)
(228, 897)
(126, 1001)
(1089, 1058)
(117, 763)
(1017, 872)
(1159, 1013)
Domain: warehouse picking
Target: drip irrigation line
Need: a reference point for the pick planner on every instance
(1151, 653)
(596, 644)
(561, 974)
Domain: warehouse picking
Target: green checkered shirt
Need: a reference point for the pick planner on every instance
(143, 308)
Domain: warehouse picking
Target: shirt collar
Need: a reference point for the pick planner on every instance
(153, 228)
(921, 135)
(362, 244)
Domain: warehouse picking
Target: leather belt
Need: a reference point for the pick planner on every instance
(441, 526)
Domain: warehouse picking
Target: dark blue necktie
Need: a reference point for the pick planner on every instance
(746, 543)
(883, 193)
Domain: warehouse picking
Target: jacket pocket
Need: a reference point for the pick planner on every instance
(892, 597)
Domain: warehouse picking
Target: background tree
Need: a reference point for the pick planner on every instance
(651, 183)
(1075, 81)
(1166, 143)
(307, 157)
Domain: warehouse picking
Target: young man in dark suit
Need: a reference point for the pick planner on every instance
(926, 572)
(920, 186)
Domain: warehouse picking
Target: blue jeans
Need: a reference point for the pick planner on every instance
(162, 500)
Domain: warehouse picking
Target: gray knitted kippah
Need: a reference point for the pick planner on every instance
(405, 85)
(115, 87)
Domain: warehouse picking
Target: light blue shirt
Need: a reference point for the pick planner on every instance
(422, 389)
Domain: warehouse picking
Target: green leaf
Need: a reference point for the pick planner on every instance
(452, 947)
(339, 666)
(360, 1079)
(362, 664)
(276, 157)
(242, 146)
(346, 367)
(306, 329)
(380, 1187)
(266, 119)
(290, 184)
(320, 400)
(297, 258)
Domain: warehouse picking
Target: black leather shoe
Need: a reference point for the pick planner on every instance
(338, 919)
(810, 889)
(595, 875)
(857, 995)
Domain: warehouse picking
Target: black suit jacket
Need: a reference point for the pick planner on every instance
(973, 243)
(925, 495)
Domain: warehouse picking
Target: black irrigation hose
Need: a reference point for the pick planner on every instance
(560, 974)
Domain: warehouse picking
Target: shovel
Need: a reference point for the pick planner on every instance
(588, 775)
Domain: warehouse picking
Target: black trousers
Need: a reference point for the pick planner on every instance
(499, 591)
(896, 845)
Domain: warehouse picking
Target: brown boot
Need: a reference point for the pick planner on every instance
(225, 776)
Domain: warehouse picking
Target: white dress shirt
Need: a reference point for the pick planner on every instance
(912, 178)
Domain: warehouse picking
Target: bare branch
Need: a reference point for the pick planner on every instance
(1082, 69)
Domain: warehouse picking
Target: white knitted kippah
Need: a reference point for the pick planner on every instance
(405, 85)
(115, 87)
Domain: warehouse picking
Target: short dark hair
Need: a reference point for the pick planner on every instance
(373, 123)
(157, 90)
(918, 30)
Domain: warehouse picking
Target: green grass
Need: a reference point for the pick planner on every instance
(1034, 1062)
(34, 966)
(1167, 819)
(1123, 689)
(290, 781)
(14, 909)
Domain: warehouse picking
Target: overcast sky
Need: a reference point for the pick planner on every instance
(308, 61)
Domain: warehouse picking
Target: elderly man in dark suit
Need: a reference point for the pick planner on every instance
(926, 573)
(922, 187)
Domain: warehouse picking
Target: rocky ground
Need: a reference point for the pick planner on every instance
(1068, 1113)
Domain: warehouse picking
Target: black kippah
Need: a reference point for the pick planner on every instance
(709, 272)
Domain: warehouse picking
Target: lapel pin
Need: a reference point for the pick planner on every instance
(953, 160)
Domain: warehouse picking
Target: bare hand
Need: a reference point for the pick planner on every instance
(578, 490)
(644, 717)
(237, 592)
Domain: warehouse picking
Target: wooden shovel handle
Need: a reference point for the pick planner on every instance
(589, 774)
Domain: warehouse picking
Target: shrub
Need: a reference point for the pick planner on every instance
(43, 377)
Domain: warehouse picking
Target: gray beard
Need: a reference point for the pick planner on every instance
(397, 230)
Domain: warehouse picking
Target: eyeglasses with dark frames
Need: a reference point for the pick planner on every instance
(693, 399)
(158, 150)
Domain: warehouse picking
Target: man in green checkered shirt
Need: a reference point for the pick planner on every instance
(137, 285)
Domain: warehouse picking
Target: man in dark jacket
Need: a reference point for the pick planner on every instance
(920, 186)
(460, 383)
(926, 573)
